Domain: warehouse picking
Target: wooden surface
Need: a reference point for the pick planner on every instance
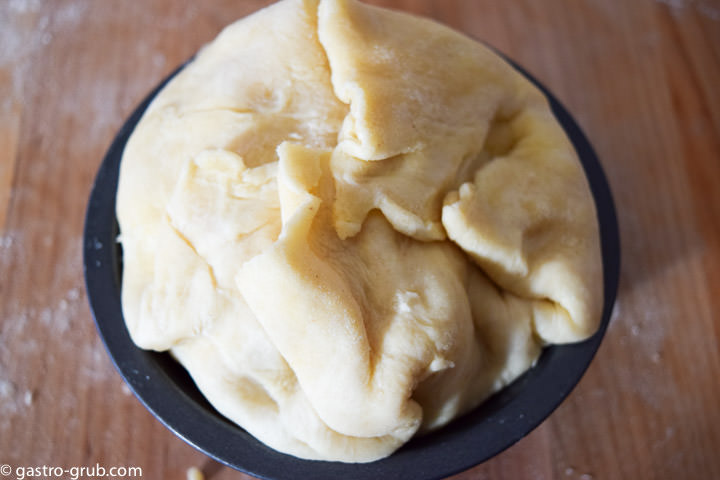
(640, 76)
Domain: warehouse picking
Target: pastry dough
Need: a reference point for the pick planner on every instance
(352, 225)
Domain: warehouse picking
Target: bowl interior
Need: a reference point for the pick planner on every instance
(167, 390)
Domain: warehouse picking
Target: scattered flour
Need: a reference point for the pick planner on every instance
(59, 317)
(27, 32)
(7, 389)
(706, 8)
(71, 14)
(709, 10)
(669, 434)
(675, 4)
(125, 390)
(6, 241)
(641, 330)
(94, 363)
(13, 402)
(42, 326)
(159, 60)
(24, 6)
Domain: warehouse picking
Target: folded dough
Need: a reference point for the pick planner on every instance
(351, 225)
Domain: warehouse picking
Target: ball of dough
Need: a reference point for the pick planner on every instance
(352, 225)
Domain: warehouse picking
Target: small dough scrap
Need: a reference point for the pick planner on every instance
(194, 473)
(351, 226)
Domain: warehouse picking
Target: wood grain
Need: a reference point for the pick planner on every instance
(642, 79)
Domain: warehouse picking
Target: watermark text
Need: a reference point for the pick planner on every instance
(47, 472)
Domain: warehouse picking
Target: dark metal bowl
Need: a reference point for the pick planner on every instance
(166, 389)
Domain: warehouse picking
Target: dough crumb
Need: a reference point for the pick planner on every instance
(194, 473)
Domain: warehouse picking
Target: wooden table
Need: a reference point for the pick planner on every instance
(640, 76)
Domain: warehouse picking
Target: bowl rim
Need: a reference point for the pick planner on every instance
(498, 423)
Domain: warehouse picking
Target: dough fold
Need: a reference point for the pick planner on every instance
(351, 226)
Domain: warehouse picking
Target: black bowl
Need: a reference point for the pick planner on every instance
(166, 389)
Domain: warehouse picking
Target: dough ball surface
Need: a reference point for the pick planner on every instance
(352, 225)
